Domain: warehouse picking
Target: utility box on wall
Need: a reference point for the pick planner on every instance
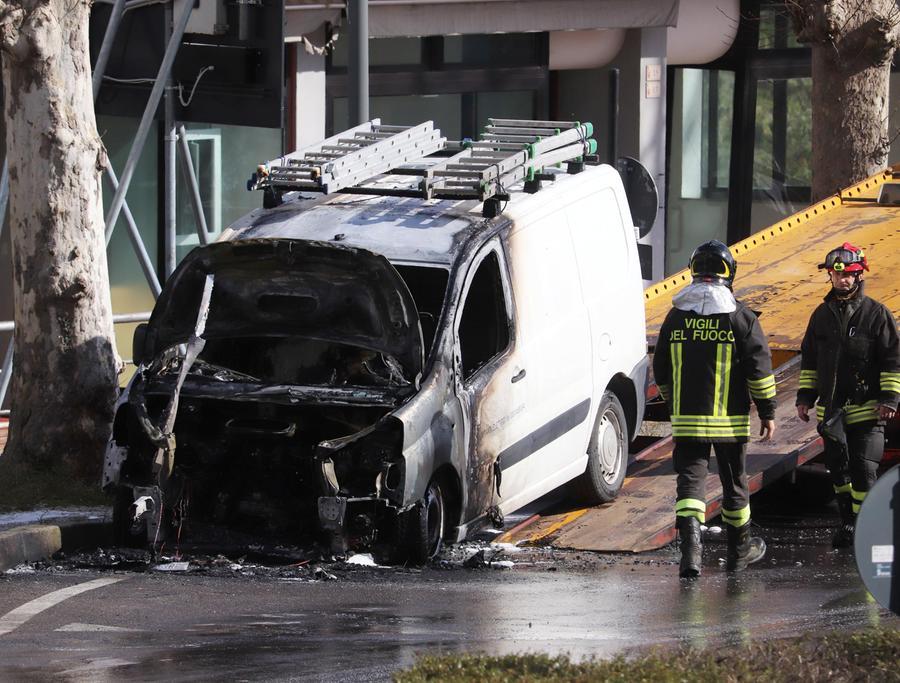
(229, 68)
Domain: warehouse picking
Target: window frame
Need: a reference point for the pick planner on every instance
(492, 247)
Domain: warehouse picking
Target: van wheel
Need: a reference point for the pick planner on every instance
(125, 533)
(425, 526)
(607, 454)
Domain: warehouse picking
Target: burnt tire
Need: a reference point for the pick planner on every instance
(607, 454)
(125, 533)
(424, 525)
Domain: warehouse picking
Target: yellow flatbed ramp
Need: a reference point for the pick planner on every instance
(777, 277)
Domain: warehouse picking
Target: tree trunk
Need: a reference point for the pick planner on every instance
(64, 383)
(849, 121)
(853, 44)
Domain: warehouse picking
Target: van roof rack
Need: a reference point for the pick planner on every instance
(355, 161)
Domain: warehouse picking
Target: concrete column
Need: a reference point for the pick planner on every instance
(652, 137)
(642, 125)
(309, 104)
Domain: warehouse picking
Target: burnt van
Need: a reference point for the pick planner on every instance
(388, 371)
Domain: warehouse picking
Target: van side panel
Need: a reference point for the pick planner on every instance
(554, 338)
(603, 264)
(606, 249)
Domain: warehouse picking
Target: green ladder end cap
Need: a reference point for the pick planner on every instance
(588, 129)
(591, 146)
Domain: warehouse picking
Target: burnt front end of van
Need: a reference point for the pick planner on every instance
(262, 408)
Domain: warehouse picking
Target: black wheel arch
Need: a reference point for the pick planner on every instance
(451, 489)
(624, 390)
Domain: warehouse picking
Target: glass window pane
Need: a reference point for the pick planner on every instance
(725, 119)
(702, 119)
(782, 150)
(775, 28)
(783, 144)
(798, 172)
(223, 158)
(762, 144)
(484, 327)
(508, 49)
(382, 51)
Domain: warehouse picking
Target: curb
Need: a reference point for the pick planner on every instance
(26, 544)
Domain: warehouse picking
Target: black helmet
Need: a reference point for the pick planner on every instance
(713, 261)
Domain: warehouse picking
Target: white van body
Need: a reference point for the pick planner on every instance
(514, 349)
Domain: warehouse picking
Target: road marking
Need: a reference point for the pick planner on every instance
(78, 627)
(568, 519)
(15, 618)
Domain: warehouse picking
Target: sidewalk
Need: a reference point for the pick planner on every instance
(35, 535)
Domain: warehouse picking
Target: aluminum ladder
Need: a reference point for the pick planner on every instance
(362, 159)
(509, 151)
(349, 158)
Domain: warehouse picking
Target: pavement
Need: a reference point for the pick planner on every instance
(34, 535)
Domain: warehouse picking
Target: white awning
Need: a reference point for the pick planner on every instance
(396, 18)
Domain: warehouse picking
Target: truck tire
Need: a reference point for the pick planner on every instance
(424, 526)
(607, 454)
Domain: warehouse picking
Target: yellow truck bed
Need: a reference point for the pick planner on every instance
(776, 276)
(777, 273)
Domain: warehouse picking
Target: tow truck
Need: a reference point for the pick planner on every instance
(778, 278)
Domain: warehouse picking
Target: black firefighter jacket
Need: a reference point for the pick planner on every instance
(707, 367)
(851, 359)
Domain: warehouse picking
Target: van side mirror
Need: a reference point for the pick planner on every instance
(137, 344)
(640, 188)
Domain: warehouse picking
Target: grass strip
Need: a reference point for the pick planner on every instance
(25, 488)
(871, 655)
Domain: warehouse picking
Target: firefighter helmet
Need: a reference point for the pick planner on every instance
(712, 261)
(846, 258)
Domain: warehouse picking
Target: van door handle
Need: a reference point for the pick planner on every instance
(519, 375)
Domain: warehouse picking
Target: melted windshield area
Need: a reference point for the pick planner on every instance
(295, 360)
(428, 286)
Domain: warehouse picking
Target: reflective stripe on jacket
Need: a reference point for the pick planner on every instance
(708, 367)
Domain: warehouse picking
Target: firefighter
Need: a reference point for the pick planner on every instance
(850, 372)
(711, 358)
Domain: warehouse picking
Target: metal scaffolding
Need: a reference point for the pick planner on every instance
(174, 134)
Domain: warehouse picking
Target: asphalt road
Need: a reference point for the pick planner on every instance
(240, 620)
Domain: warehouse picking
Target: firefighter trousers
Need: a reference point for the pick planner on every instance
(854, 468)
(691, 461)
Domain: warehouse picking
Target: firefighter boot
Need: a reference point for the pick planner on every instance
(843, 536)
(743, 549)
(691, 547)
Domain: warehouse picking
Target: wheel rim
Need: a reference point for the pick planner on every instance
(434, 518)
(610, 445)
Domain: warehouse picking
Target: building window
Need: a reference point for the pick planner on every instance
(782, 151)
(699, 162)
(205, 147)
(775, 29)
(455, 81)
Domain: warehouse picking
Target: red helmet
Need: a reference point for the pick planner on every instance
(845, 259)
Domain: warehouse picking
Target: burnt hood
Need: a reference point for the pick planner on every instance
(288, 287)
